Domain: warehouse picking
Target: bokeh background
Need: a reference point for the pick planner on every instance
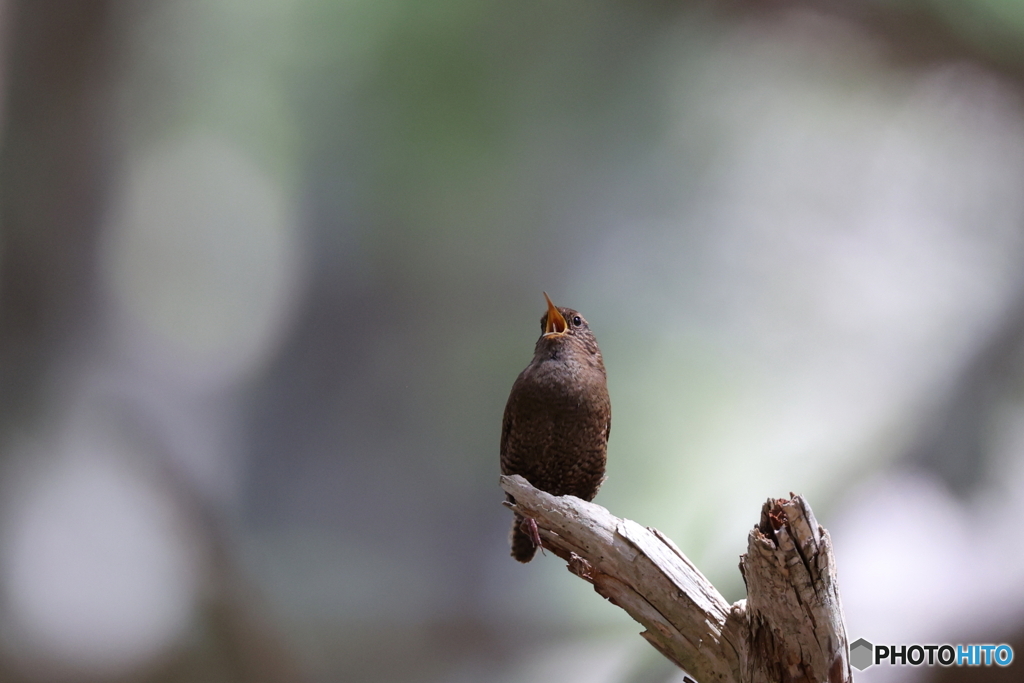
(269, 268)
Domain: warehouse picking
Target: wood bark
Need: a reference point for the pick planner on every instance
(789, 629)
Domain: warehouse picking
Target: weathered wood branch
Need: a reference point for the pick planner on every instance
(789, 629)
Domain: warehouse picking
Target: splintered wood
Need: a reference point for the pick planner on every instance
(789, 629)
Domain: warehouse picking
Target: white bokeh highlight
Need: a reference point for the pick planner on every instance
(98, 570)
(202, 260)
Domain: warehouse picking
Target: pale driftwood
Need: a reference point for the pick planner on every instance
(789, 629)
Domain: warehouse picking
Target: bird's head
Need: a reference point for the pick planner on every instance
(564, 327)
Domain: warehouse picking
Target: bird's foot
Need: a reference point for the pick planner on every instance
(529, 526)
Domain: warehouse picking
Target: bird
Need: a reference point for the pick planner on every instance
(557, 419)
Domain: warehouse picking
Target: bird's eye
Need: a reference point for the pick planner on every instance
(577, 321)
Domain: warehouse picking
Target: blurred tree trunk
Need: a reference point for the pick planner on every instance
(55, 164)
(59, 151)
(55, 153)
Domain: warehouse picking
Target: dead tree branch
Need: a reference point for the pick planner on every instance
(789, 629)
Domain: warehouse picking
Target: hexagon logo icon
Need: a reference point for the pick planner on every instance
(861, 654)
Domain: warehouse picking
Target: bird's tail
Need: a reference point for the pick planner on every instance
(523, 548)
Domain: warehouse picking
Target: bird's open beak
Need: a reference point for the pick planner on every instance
(555, 324)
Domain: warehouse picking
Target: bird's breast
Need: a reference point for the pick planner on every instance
(564, 386)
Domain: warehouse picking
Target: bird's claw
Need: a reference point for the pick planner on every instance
(530, 527)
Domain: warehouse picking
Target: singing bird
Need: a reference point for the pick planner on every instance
(557, 419)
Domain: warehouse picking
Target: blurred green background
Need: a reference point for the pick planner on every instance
(269, 269)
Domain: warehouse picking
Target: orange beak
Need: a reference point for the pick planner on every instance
(555, 324)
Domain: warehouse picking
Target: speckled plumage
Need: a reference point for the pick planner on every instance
(558, 417)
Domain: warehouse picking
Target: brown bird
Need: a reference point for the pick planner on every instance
(557, 419)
